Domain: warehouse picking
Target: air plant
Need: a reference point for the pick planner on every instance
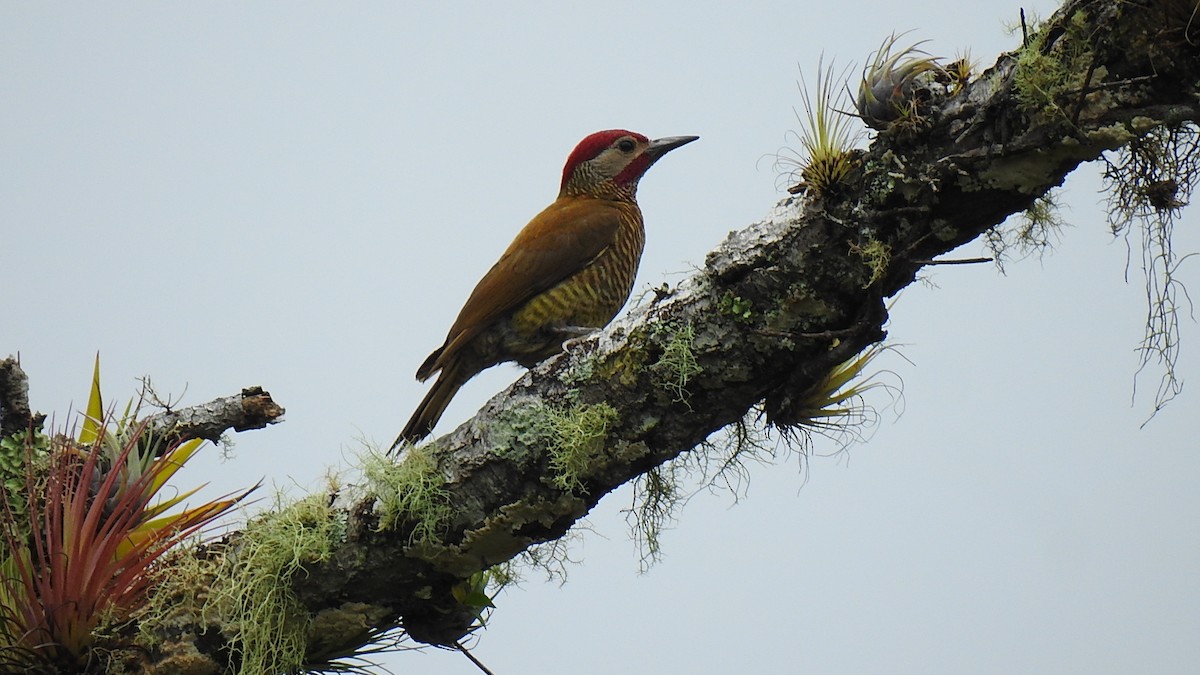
(888, 90)
(830, 403)
(827, 137)
(81, 552)
(960, 71)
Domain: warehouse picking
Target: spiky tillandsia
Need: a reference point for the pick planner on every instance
(828, 405)
(827, 135)
(958, 73)
(81, 552)
(129, 448)
(888, 90)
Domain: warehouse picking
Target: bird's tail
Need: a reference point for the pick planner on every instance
(421, 424)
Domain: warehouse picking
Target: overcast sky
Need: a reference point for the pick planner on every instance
(301, 195)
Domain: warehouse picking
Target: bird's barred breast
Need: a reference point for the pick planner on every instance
(592, 296)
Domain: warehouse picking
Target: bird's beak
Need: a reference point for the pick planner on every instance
(662, 146)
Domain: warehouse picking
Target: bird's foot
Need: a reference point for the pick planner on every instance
(573, 335)
(576, 331)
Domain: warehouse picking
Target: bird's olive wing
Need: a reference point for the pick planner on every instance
(558, 242)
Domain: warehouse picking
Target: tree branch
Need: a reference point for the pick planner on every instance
(774, 309)
(252, 409)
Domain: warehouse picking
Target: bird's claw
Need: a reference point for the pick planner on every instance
(575, 334)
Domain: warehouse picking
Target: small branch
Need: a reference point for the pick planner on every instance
(252, 409)
(1083, 92)
(478, 664)
(819, 335)
(958, 261)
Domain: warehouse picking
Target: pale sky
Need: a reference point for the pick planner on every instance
(301, 195)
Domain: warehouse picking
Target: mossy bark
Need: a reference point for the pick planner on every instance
(807, 299)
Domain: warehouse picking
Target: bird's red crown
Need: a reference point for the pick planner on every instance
(593, 145)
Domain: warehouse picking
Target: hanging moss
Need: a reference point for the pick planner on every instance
(576, 436)
(411, 492)
(253, 586)
(677, 365)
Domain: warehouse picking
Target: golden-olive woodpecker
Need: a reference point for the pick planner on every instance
(568, 272)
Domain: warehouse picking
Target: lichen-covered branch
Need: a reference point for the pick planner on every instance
(15, 415)
(253, 408)
(775, 308)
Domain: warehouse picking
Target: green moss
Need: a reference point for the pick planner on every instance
(657, 496)
(1045, 72)
(576, 436)
(411, 492)
(181, 584)
(14, 450)
(552, 558)
(876, 255)
(253, 586)
(1037, 228)
(1042, 214)
(623, 366)
(677, 365)
(626, 365)
(736, 306)
(1147, 183)
(504, 574)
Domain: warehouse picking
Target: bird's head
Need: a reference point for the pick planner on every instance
(613, 161)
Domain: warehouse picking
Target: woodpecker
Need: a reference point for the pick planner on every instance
(567, 273)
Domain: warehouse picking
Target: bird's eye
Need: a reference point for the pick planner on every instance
(626, 145)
